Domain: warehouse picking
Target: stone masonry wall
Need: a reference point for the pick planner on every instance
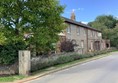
(9, 69)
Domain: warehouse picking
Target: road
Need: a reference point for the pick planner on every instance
(104, 70)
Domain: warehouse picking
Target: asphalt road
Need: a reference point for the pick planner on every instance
(104, 70)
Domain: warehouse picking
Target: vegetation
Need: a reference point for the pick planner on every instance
(108, 24)
(62, 59)
(34, 24)
(9, 52)
(67, 46)
(11, 78)
(63, 63)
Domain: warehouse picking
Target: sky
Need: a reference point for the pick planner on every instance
(88, 10)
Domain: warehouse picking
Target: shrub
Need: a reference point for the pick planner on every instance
(55, 60)
(67, 46)
(64, 59)
(9, 52)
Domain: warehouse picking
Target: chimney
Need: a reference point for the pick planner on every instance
(73, 17)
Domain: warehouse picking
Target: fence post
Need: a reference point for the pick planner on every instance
(24, 62)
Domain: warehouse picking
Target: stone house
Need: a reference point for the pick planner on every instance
(87, 38)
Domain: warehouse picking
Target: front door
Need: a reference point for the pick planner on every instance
(97, 45)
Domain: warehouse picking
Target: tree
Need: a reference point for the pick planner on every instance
(28, 24)
(2, 37)
(114, 36)
(38, 20)
(106, 20)
(107, 24)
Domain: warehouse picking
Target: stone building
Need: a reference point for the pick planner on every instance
(87, 38)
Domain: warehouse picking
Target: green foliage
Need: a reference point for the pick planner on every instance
(2, 38)
(114, 37)
(35, 23)
(61, 59)
(40, 19)
(2, 35)
(107, 21)
(64, 59)
(11, 78)
(9, 52)
(108, 25)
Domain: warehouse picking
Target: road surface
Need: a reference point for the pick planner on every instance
(104, 70)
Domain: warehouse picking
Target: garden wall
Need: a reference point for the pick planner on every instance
(6, 70)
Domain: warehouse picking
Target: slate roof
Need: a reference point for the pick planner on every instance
(80, 24)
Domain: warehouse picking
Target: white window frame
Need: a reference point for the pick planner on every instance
(69, 29)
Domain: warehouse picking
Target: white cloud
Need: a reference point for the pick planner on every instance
(79, 9)
(75, 10)
(84, 22)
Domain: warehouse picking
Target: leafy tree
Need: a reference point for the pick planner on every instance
(114, 36)
(106, 20)
(38, 20)
(28, 24)
(108, 25)
(2, 38)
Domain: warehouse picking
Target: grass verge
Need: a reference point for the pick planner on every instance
(11, 78)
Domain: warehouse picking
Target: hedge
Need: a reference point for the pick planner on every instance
(9, 52)
(42, 63)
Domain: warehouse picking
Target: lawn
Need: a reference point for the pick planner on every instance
(11, 78)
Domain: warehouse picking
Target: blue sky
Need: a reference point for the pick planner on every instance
(88, 10)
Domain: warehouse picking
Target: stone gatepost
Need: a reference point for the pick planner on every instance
(24, 62)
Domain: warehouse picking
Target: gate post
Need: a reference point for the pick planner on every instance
(24, 62)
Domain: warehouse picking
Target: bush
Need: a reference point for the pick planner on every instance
(9, 52)
(67, 46)
(55, 60)
(64, 59)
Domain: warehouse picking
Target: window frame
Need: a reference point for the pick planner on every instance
(69, 29)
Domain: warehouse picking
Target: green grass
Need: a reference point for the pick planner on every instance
(11, 78)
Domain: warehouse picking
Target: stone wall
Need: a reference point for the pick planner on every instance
(6, 70)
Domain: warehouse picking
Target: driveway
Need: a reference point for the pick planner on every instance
(104, 70)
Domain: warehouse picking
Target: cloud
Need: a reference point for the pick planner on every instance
(75, 10)
(84, 22)
(78, 9)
